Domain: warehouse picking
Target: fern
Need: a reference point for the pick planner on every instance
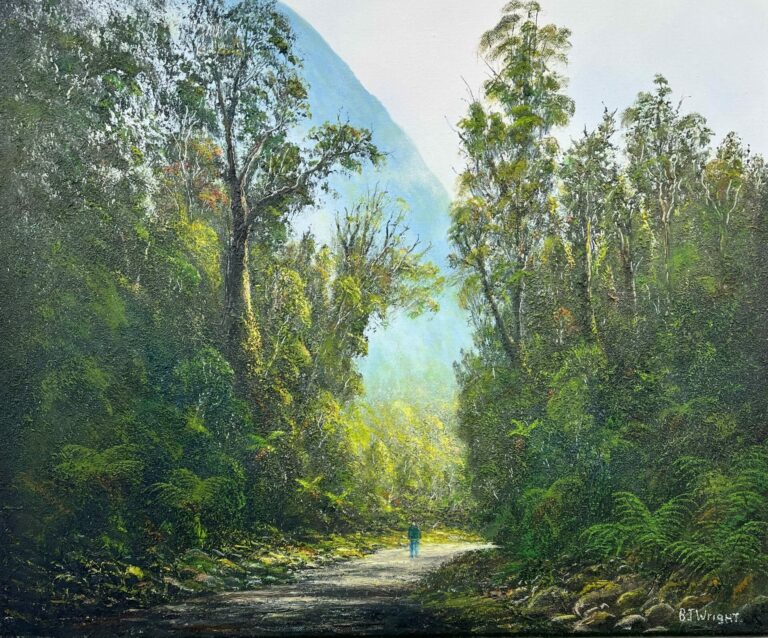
(605, 539)
(639, 530)
(84, 467)
(185, 490)
(691, 469)
(696, 557)
(727, 538)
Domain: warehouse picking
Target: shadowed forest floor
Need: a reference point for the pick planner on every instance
(365, 596)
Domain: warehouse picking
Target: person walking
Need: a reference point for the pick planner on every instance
(414, 538)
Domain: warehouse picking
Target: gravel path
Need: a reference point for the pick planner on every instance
(363, 596)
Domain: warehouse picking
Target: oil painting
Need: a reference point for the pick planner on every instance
(383, 317)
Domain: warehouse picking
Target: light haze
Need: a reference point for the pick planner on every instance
(419, 56)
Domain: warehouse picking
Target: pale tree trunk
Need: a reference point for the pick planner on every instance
(243, 339)
(507, 342)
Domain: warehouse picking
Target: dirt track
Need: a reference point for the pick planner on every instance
(364, 596)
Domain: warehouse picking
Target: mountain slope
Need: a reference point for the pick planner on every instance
(408, 359)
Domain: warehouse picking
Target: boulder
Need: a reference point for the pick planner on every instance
(232, 583)
(632, 598)
(595, 622)
(564, 621)
(755, 613)
(673, 590)
(577, 581)
(552, 599)
(595, 594)
(652, 600)
(661, 614)
(695, 602)
(656, 630)
(209, 581)
(633, 622)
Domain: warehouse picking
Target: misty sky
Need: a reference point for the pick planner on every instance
(419, 56)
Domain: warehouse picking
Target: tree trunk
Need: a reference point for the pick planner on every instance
(507, 342)
(585, 295)
(242, 333)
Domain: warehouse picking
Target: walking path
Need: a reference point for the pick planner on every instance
(363, 596)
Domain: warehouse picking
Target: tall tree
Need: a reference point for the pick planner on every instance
(666, 150)
(589, 175)
(510, 164)
(240, 59)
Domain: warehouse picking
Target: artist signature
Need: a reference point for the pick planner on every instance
(703, 615)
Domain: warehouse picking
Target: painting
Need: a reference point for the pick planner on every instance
(385, 318)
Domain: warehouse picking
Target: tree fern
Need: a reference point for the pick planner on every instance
(188, 493)
(186, 490)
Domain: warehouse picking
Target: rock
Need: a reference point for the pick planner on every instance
(673, 590)
(755, 613)
(633, 622)
(230, 582)
(695, 602)
(553, 599)
(229, 565)
(188, 572)
(649, 603)
(209, 581)
(631, 581)
(564, 621)
(218, 554)
(623, 569)
(595, 594)
(175, 587)
(577, 582)
(660, 614)
(596, 621)
(632, 598)
(656, 630)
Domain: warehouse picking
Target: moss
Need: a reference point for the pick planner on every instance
(632, 598)
(605, 585)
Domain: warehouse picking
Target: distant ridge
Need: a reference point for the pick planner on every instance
(409, 359)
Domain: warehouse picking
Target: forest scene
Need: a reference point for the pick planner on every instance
(249, 341)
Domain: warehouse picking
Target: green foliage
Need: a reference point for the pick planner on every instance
(717, 531)
(81, 467)
(407, 464)
(215, 500)
(614, 402)
(153, 399)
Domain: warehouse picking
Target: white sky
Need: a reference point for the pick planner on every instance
(415, 56)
